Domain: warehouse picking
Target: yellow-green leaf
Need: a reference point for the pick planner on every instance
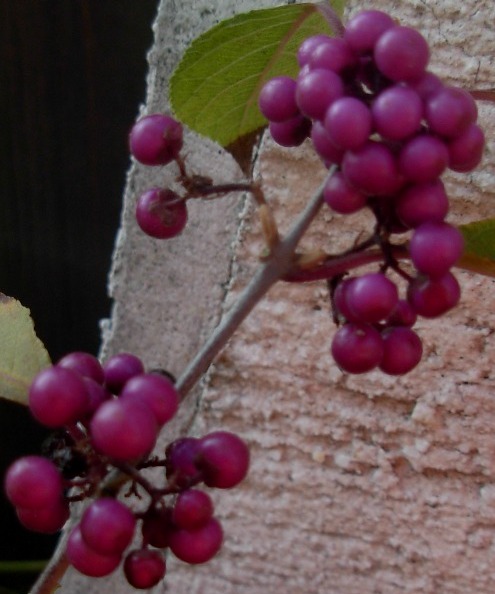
(22, 354)
(215, 88)
(479, 252)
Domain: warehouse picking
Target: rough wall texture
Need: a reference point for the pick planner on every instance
(368, 484)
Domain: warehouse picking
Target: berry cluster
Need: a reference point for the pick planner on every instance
(107, 418)
(391, 128)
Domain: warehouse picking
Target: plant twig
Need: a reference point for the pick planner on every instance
(280, 262)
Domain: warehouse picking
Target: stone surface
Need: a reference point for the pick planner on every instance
(359, 484)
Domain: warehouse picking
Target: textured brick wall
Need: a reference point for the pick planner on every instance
(368, 484)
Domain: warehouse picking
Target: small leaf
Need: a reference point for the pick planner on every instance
(22, 354)
(479, 251)
(215, 88)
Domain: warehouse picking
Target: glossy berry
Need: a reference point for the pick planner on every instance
(431, 298)
(402, 350)
(435, 247)
(144, 568)
(85, 364)
(107, 526)
(46, 520)
(192, 509)
(277, 99)
(161, 213)
(199, 545)
(223, 459)
(119, 369)
(372, 297)
(156, 139)
(33, 482)
(357, 348)
(86, 560)
(156, 391)
(58, 397)
(401, 54)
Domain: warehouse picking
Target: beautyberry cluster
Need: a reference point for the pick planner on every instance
(107, 420)
(391, 128)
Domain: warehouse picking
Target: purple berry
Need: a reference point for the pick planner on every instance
(431, 298)
(341, 197)
(348, 123)
(435, 248)
(450, 111)
(372, 169)
(423, 158)
(223, 459)
(144, 569)
(357, 348)
(466, 151)
(402, 54)
(192, 509)
(33, 482)
(292, 132)
(119, 369)
(46, 520)
(85, 364)
(156, 139)
(421, 203)
(181, 456)
(365, 28)
(325, 148)
(402, 350)
(277, 99)
(107, 526)
(161, 213)
(316, 91)
(123, 430)
(58, 397)
(332, 54)
(199, 545)
(308, 46)
(156, 391)
(372, 297)
(397, 112)
(86, 560)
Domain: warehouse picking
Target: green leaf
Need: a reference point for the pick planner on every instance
(22, 354)
(479, 251)
(215, 88)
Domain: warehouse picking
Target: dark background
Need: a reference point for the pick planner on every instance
(72, 75)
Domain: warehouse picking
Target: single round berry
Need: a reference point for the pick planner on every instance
(107, 526)
(341, 197)
(402, 54)
(357, 348)
(119, 369)
(180, 461)
(431, 298)
(192, 509)
(46, 520)
(161, 213)
(156, 391)
(348, 123)
(123, 430)
(316, 91)
(423, 158)
(372, 297)
(308, 46)
(397, 112)
(85, 364)
(86, 560)
(292, 132)
(402, 350)
(365, 28)
(58, 397)
(421, 203)
(450, 111)
(332, 54)
(372, 169)
(340, 300)
(466, 151)
(435, 248)
(223, 459)
(156, 139)
(33, 482)
(199, 545)
(144, 569)
(277, 99)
